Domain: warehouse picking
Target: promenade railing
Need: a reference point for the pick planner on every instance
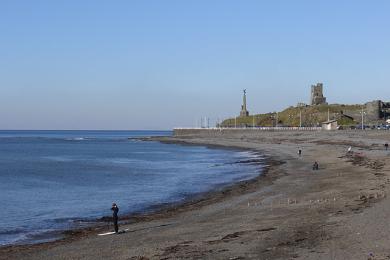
(264, 128)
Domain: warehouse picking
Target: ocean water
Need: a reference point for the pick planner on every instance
(52, 181)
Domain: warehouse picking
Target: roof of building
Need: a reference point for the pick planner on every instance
(330, 121)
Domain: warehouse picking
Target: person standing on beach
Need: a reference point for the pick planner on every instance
(115, 210)
(315, 166)
(299, 151)
(386, 146)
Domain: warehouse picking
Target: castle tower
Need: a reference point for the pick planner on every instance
(243, 111)
(317, 97)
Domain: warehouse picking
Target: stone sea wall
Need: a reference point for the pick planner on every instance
(236, 132)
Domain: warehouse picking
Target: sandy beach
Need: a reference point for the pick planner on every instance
(340, 211)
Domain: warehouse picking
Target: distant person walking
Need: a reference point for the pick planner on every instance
(386, 146)
(315, 166)
(115, 210)
(299, 151)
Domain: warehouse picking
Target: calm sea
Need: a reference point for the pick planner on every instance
(54, 180)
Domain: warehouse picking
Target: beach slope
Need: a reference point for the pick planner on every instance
(339, 211)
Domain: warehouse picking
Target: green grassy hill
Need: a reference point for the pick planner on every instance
(311, 116)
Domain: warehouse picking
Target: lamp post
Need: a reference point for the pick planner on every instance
(289, 120)
(272, 117)
(300, 118)
(362, 112)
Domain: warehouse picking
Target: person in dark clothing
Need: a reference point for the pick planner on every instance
(315, 166)
(299, 152)
(386, 146)
(115, 210)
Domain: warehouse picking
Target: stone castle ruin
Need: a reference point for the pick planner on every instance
(317, 97)
(375, 110)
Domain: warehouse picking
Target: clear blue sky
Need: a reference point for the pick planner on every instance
(160, 64)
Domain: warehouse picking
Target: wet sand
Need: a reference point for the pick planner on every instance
(291, 212)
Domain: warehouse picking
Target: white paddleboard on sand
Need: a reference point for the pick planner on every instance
(111, 233)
